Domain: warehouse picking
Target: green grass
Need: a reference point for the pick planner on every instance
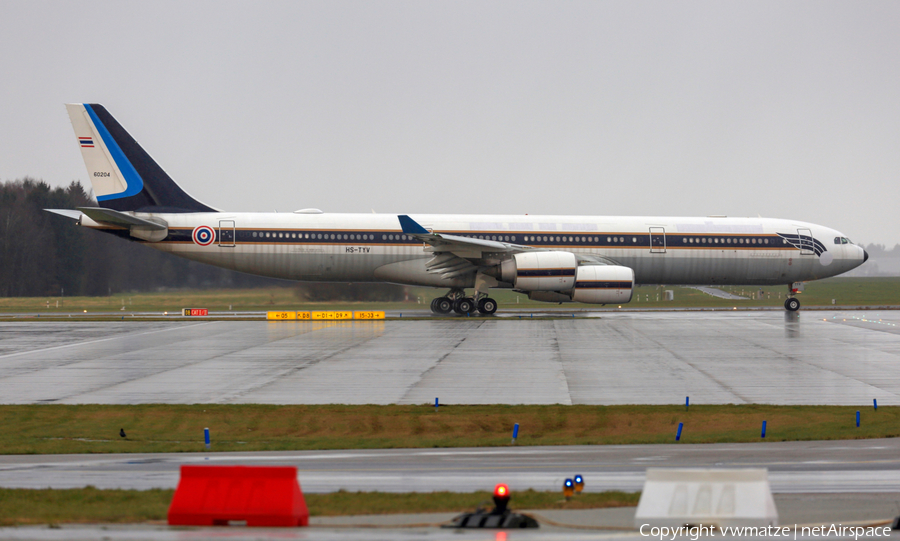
(378, 503)
(91, 505)
(26, 429)
(845, 292)
(49, 506)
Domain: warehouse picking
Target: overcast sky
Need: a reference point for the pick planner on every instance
(780, 109)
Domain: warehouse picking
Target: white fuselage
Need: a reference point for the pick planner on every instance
(372, 247)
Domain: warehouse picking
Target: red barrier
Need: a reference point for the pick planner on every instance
(223, 495)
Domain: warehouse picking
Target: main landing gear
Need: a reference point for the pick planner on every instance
(792, 303)
(456, 301)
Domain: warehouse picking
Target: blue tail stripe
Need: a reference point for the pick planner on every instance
(134, 182)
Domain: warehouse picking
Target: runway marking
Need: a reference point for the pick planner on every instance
(841, 371)
(437, 363)
(693, 365)
(103, 340)
(558, 357)
(284, 373)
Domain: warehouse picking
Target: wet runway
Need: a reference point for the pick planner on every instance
(855, 466)
(768, 357)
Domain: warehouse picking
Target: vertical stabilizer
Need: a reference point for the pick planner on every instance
(123, 175)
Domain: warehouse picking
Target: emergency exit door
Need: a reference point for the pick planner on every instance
(657, 240)
(807, 246)
(226, 233)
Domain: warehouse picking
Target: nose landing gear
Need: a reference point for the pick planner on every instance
(792, 303)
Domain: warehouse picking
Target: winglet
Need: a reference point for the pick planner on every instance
(410, 226)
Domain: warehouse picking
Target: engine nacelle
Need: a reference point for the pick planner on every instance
(540, 271)
(603, 284)
(549, 296)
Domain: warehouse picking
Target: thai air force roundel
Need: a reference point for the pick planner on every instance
(204, 235)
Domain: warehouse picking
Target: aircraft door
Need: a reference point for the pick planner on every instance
(807, 247)
(657, 240)
(226, 233)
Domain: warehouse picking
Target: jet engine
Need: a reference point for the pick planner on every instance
(557, 277)
(603, 284)
(540, 271)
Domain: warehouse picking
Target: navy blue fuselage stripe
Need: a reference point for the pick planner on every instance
(602, 285)
(307, 236)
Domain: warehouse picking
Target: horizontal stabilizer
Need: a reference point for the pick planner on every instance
(68, 213)
(114, 217)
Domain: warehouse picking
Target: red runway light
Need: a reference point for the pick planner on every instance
(501, 491)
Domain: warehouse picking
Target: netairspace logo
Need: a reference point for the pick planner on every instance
(695, 532)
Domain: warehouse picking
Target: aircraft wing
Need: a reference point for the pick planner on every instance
(455, 255)
(464, 247)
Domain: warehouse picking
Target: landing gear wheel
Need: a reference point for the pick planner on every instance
(464, 306)
(442, 306)
(792, 304)
(487, 306)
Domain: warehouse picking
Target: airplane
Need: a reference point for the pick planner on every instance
(585, 259)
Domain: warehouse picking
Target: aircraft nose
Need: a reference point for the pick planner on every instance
(865, 255)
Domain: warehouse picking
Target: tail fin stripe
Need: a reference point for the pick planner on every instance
(125, 178)
(134, 181)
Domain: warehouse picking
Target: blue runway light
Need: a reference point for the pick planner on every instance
(678, 435)
(568, 488)
(206, 436)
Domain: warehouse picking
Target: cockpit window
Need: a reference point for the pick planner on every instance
(845, 240)
(837, 240)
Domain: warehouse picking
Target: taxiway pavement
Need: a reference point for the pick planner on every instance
(853, 466)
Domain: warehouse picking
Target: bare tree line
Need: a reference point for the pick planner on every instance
(44, 254)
